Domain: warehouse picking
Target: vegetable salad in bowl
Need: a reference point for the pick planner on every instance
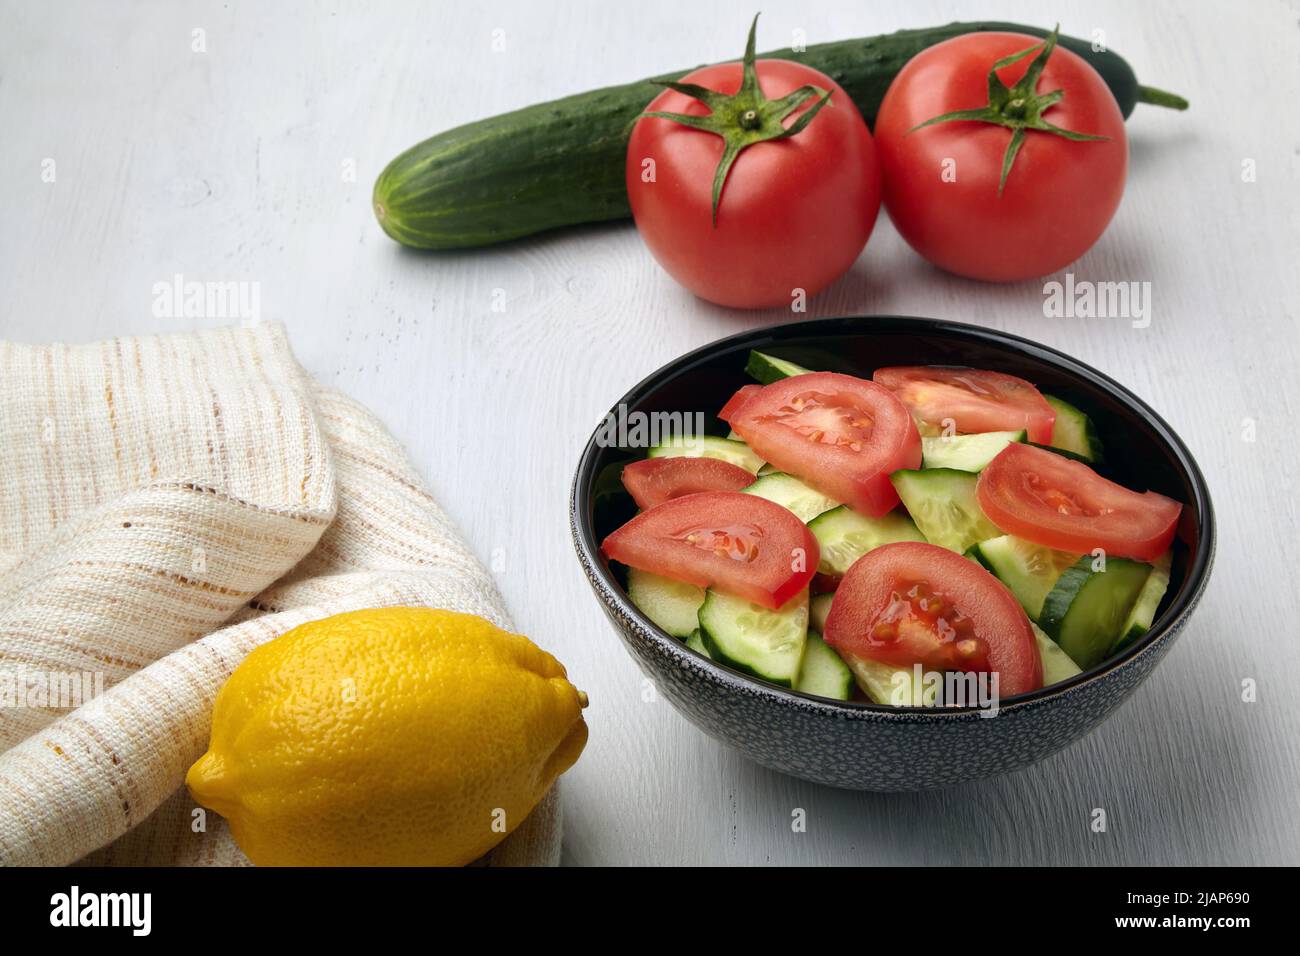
(856, 535)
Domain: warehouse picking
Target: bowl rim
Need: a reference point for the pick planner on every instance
(1198, 569)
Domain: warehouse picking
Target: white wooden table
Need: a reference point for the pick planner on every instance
(232, 163)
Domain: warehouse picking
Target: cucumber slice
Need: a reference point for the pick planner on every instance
(696, 642)
(674, 606)
(1074, 431)
(878, 681)
(766, 469)
(818, 608)
(966, 452)
(942, 502)
(765, 643)
(844, 535)
(710, 446)
(789, 492)
(823, 673)
(1057, 665)
(1086, 610)
(768, 368)
(1029, 570)
(1148, 602)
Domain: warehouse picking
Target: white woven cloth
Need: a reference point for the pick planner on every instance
(168, 503)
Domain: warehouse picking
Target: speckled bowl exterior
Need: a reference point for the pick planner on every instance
(866, 746)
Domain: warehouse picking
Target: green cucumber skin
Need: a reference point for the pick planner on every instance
(822, 672)
(768, 368)
(721, 643)
(715, 651)
(1088, 447)
(561, 163)
(1060, 602)
(1143, 615)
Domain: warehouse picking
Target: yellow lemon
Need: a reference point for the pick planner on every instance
(387, 737)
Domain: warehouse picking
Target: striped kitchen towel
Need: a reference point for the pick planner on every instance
(167, 503)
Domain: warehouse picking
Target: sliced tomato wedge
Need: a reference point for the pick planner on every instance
(655, 480)
(973, 399)
(839, 434)
(743, 394)
(740, 544)
(1059, 503)
(914, 603)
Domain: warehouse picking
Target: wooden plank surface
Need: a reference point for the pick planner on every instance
(232, 163)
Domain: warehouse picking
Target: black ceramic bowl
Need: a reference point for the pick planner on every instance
(866, 746)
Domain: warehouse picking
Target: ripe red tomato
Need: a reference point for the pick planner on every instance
(914, 603)
(1059, 503)
(743, 394)
(840, 434)
(941, 182)
(794, 213)
(741, 544)
(975, 400)
(653, 481)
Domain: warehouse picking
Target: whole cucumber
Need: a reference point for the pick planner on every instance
(562, 163)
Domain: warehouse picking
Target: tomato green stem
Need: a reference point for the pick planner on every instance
(745, 118)
(1020, 108)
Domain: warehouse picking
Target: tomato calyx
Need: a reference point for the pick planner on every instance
(745, 118)
(1019, 108)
